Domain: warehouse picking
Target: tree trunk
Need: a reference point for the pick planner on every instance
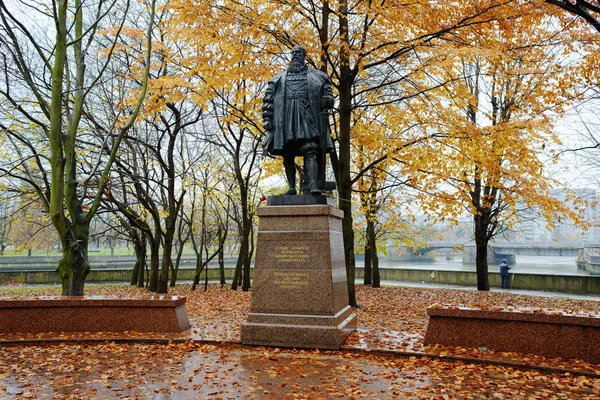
(372, 240)
(237, 273)
(242, 268)
(206, 273)
(345, 189)
(237, 276)
(222, 266)
(198, 250)
(345, 183)
(245, 245)
(136, 272)
(74, 267)
(154, 263)
(481, 245)
(163, 278)
(142, 258)
(222, 237)
(247, 256)
(375, 265)
(367, 279)
(198, 269)
(137, 268)
(165, 265)
(176, 269)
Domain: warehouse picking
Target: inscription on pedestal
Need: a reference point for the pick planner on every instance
(292, 253)
(290, 280)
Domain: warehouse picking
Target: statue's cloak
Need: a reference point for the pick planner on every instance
(318, 85)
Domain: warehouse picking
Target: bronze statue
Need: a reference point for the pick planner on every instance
(295, 113)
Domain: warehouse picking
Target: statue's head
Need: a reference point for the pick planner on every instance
(298, 57)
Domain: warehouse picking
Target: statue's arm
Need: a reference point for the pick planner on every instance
(267, 107)
(328, 99)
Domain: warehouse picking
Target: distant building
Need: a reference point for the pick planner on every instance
(533, 227)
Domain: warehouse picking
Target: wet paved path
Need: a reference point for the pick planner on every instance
(186, 371)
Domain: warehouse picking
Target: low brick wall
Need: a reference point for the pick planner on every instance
(550, 333)
(93, 314)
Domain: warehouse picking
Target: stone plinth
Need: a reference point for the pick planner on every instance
(93, 314)
(300, 200)
(550, 333)
(300, 293)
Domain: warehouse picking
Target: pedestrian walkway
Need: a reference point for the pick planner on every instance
(542, 293)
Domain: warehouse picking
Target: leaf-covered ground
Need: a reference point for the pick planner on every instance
(195, 371)
(392, 321)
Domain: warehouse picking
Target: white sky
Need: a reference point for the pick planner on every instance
(575, 168)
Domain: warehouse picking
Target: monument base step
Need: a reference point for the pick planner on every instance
(280, 332)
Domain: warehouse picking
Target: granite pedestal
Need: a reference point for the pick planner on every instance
(300, 293)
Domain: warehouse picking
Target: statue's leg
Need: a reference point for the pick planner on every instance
(290, 173)
(320, 173)
(309, 152)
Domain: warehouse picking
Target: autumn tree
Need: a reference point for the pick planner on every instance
(378, 188)
(8, 206)
(350, 41)
(49, 85)
(206, 212)
(126, 224)
(154, 160)
(238, 140)
(24, 224)
(497, 117)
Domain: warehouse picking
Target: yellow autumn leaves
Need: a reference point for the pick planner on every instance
(453, 96)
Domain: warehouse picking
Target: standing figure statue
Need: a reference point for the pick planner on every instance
(295, 114)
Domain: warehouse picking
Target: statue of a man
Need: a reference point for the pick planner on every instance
(295, 113)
